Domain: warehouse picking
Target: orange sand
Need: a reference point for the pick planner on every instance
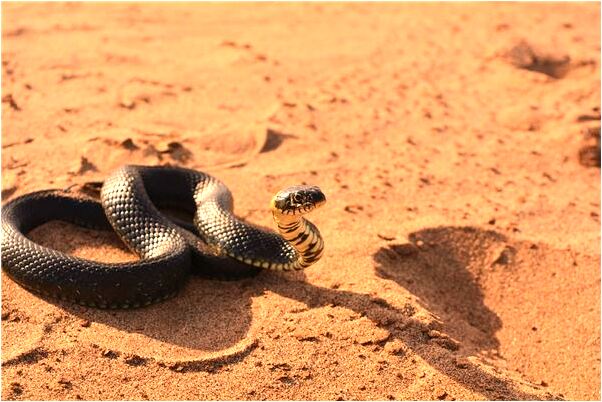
(462, 232)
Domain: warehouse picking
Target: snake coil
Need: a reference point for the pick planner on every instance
(218, 244)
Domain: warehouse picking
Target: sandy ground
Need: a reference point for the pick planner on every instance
(462, 226)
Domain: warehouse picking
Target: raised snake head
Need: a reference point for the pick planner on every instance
(297, 200)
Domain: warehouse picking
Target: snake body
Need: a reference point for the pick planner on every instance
(217, 243)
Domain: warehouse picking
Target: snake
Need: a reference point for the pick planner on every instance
(133, 200)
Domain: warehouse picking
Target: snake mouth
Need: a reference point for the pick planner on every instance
(298, 200)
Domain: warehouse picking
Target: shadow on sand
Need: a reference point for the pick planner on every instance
(437, 266)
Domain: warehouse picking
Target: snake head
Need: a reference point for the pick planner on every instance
(297, 200)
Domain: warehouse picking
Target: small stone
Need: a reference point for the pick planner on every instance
(461, 362)
(128, 103)
(395, 348)
(304, 336)
(176, 367)
(84, 323)
(65, 383)
(374, 337)
(505, 257)
(447, 343)
(433, 333)
(110, 354)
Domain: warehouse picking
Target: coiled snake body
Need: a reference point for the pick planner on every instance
(129, 204)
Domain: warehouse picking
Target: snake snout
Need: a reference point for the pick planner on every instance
(298, 200)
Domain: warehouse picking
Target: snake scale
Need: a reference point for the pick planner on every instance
(130, 198)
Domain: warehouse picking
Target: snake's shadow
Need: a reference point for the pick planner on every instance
(441, 266)
(215, 315)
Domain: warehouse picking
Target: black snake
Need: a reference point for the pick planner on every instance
(130, 199)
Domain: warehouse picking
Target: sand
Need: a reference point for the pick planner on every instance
(457, 144)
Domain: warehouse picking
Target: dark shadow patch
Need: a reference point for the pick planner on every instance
(30, 357)
(90, 189)
(16, 32)
(135, 360)
(274, 139)
(11, 102)
(441, 267)
(129, 144)
(553, 64)
(177, 151)
(8, 191)
(214, 329)
(415, 334)
(589, 154)
(212, 365)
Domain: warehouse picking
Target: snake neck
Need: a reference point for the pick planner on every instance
(303, 236)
